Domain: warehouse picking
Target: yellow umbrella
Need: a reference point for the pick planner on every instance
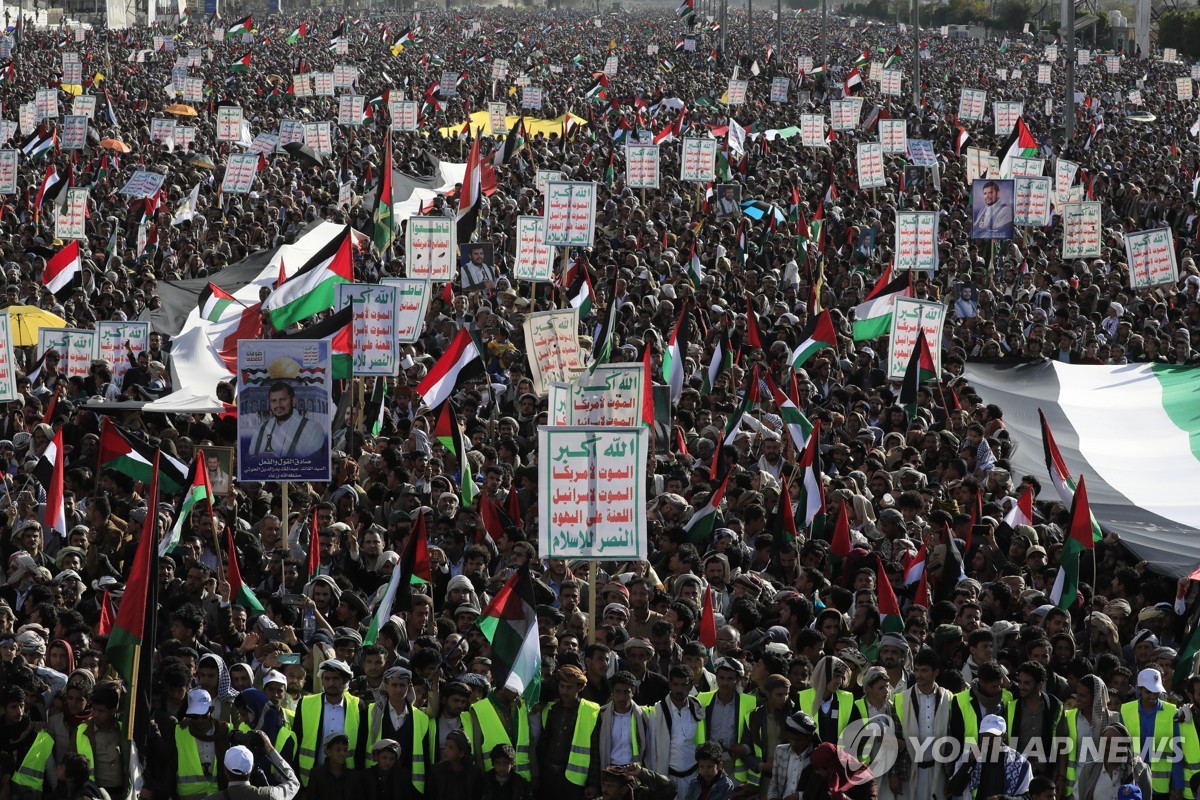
(180, 109)
(24, 322)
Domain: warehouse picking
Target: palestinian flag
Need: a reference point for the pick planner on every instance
(448, 432)
(1020, 144)
(64, 270)
(648, 389)
(798, 426)
(785, 518)
(460, 363)
(298, 34)
(813, 496)
(412, 568)
(952, 568)
(38, 142)
(509, 623)
(131, 645)
(200, 491)
(863, 60)
(56, 515)
(921, 367)
(686, 11)
(1022, 511)
(215, 302)
(338, 330)
(753, 331)
(816, 336)
(695, 271)
(239, 593)
(312, 564)
(242, 65)
(673, 360)
(314, 288)
(243, 25)
(138, 460)
(379, 399)
(1066, 582)
(873, 316)
(722, 359)
(385, 219)
(706, 634)
(580, 293)
(700, 527)
(602, 347)
(514, 140)
(404, 38)
(840, 545)
(340, 30)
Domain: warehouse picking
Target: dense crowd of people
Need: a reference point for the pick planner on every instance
(811, 690)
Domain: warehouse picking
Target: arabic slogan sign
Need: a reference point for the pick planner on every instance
(916, 240)
(570, 212)
(8, 376)
(612, 395)
(590, 492)
(411, 305)
(909, 317)
(76, 348)
(1082, 232)
(535, 261)
(376, 349)
(69, 223)
(641, 166)
(114, 336)
(1031, 201)
(1151, 256)
(699, 160)
(552, 342)
(429, 248)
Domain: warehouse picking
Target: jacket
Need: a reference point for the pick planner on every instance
(906, 707)
(242, 790)
(788, 770)
(721, 788)
(602, 737)
(659, 759)
(1136, 772)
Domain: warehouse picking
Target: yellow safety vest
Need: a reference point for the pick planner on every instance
(421, 743)
(581, 740)
(746, 706)
(190, 779)
(31, 773)
(966, 706)
(281, 739)
(861, 706)
(492, 732)
(1160, 760)
(1191, 755)
(845, 702)
(310, 717)
(1072, 717)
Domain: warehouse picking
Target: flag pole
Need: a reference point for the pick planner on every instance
(592, 602)
(217, 546)
(285, 526)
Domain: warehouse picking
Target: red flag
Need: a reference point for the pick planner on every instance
(648, 389)
(708, 621)
(107, 615)
(492, 524)
(887, 596)
(840, 546)
(314, 549)
(282, 275)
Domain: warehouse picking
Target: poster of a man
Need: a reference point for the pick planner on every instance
(476, 270)
(992, 209)
(219, 463)
(727, 197)
(283, 410)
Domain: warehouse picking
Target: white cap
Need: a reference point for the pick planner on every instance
(992, 724)
(274, 676)
(239, 760)
(1151, 679)
(199, 702)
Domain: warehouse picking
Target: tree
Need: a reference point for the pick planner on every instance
(1011, 15)
(1180, 29)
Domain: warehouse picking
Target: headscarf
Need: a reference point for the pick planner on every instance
(1102, 718)
(267, 717)
(822, 674)
(898, 641)
(225, 690)
(1127, 768)
(845, 771)
(70, 654)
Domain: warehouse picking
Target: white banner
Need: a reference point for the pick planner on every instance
(8, 373)
(845, 113)
(699, 160)
(74, 132)
(412, 304)
(552, 347)
(429, 248)
(76, 348)
(870, 165)
(344, 76)
(916, 241)
(779, 90)
(240, 170)
(531, 97)
(376, 348)
(143, 184)
(350, 109)
(46, 101)
(1026, 167)
(812, 130)
(1064, 176)
(404, 115)
(1043, 77)
(8, 171)
(1083, 233)
(893, 135)
(534, 260)
(910, 317)
(971, 104)
(1005, 116)
(570, 213)
(1031, 201)
(736, 93)
(229, 123)
(319, 136)
(163, 131)
(1151, 257)
(323, 84)
(72, 223)
(290, 130)
(115, 341)
(84, 105)
(641, 166)
(302, 84)
(893, 80)
(611, 395)
(498, 118)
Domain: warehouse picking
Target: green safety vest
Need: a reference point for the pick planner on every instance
(742, 773)
(845, 702)
(1164, 730)
(310, 716)
(31, 773)
(491, 732)
(421, 729)
(581, 740)
(191, 780)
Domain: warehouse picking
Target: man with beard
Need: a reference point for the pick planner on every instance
(895, 655)
(1036, 719)
(651, 686)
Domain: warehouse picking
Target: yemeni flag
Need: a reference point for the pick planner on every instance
(458, 365)
(854, 82)
(469, 196)
(64, 270)
(961, 137)
(1066, 582)
(239, 593)
(1020, 144)
(798, 426)
(915, 572)
(412, 569)
(509, 623)
(817, 335)
(813, 497)
(700, 527)
(298, 34)
(673, 360)
(243, 25)
(242, 65)
(448, 432)
(873, 316)
(920, 368)
(385, 219)
(139, 460)
(215, 302)
(1060, 476)
(200, 491)
(56, 515)
(314, 288)
(338, 330)
(134, 635)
